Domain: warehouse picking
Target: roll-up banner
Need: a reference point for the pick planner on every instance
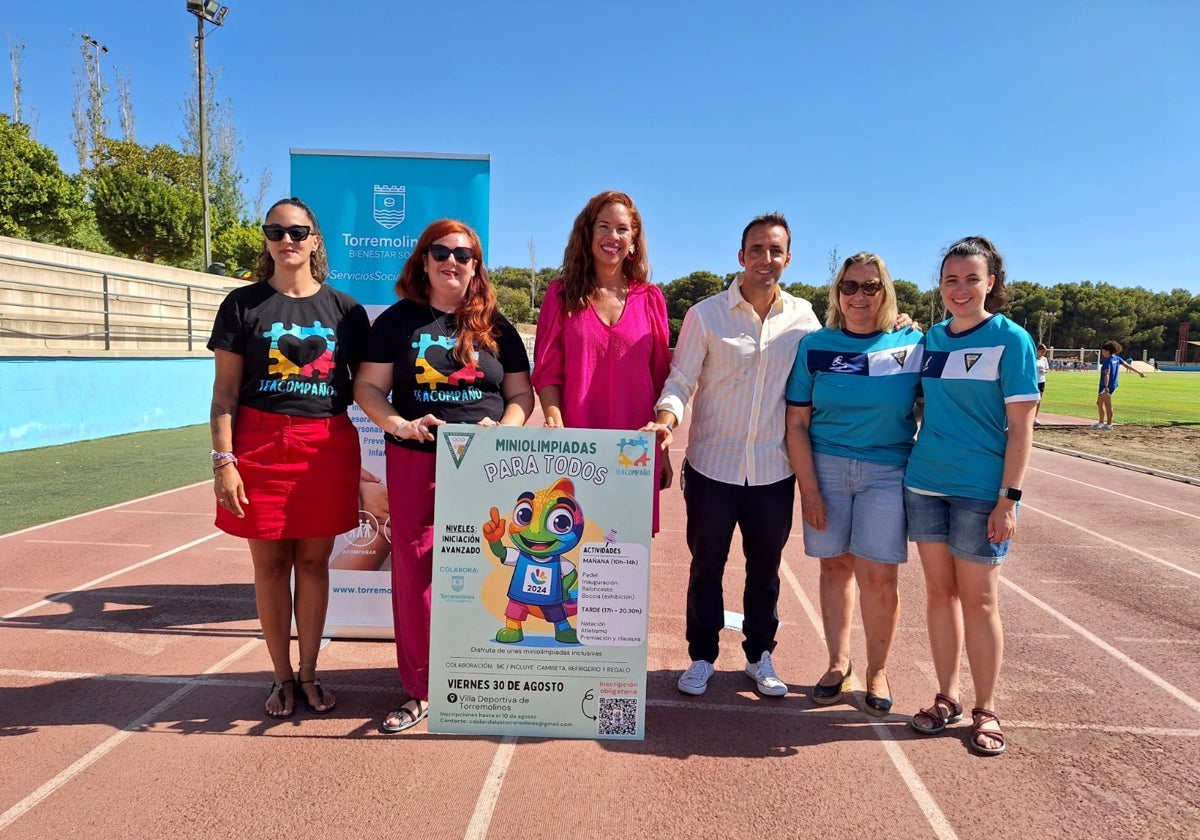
(372, 207)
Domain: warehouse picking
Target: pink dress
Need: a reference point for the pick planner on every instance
(609, 377)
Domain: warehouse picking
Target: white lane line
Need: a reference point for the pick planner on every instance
(86, 542)
(1141, 731)
(1115, 493)
(62, 595)
(1117, 543)
(113, 741)
(151, 679)
(1139, 641)
(205, 513)
(912, 779)
(1142, 670)
(99, 510)
(489, 794)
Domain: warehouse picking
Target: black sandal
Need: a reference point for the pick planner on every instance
(315, 683)
(277, 690)
(408, 714)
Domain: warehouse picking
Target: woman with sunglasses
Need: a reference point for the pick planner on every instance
(447, 355)
(850, 428)
(964, 478)
(602, 352)
(285, 455)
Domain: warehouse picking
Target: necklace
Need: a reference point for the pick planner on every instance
(437, 319)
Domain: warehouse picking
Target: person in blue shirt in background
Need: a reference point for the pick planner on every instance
(850, 428)
(1110, 365)
(979, 378)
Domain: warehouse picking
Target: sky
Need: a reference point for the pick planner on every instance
(1068, 132)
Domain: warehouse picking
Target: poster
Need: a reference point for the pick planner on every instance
(541, 580)
(372, 206)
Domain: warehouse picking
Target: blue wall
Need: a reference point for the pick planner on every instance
(49, 401)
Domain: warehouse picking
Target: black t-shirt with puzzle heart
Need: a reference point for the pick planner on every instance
(416, 340)
(296, 352)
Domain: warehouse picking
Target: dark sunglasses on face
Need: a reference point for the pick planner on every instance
(441, 253)
(298, 233)
(850, 287)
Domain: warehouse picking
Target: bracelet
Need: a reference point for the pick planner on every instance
(223, 464)
(222, 456)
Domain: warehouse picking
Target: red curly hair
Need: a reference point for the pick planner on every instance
(475, 318)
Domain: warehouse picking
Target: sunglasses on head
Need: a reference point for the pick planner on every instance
(850, 287)
(298, 233)
(441, 253)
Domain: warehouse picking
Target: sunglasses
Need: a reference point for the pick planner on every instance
(441, 253)
(850, 287)
(274, 233)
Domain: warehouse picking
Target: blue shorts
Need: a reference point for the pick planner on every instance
(956, 520)
(864, 510)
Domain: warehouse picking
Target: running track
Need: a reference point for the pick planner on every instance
(132, 678)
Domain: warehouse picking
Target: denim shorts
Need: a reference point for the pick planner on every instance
(957, 520)
(864, 510)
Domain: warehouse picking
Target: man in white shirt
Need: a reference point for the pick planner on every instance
(734, 354)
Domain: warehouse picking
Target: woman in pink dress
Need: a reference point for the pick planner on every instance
(603, 341)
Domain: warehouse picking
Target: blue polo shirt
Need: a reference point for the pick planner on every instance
(968, 379)
(861, 389)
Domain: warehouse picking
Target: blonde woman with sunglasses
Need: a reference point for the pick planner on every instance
(285, 456)
(850, 427)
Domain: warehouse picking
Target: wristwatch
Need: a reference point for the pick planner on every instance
(1011, 493)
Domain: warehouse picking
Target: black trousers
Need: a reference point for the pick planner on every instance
(764, 514)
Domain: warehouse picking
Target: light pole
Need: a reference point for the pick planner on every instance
(213, 12)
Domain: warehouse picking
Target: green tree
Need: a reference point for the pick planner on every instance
(684, 292)
(146, 217)
(910, 300)
(514, 303)
(818, 296)
(37, 200)
(238, 246)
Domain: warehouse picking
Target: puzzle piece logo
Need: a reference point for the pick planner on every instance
(634, 453)
(302, 352)
(430, 376)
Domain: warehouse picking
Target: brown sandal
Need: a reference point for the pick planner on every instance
(943, 712)
(981, 717)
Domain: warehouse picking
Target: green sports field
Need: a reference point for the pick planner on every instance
(1161, 399)
(41, 485)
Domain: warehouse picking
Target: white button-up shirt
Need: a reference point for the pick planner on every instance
(737, 366)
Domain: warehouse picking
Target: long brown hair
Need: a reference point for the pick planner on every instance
(578, 278)
(318, 261)
(475, 318)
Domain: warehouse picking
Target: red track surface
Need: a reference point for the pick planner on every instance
(132, 680)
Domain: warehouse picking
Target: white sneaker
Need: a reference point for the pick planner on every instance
(765, 678)
(1106, 427)
(1037, 422)
(695, 679)
(1097, 425)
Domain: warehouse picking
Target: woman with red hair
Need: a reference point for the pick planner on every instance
(447, 355)
(603, 341)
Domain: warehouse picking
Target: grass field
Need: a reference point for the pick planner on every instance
(41, 485)
(1161, 399)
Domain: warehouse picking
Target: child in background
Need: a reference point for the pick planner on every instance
(1110, 365)
(1043, 365)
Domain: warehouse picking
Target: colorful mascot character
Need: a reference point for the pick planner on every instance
(545, 526)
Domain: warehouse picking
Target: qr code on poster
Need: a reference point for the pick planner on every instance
(618, 715)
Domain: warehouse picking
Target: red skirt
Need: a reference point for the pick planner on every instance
(301, 476)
